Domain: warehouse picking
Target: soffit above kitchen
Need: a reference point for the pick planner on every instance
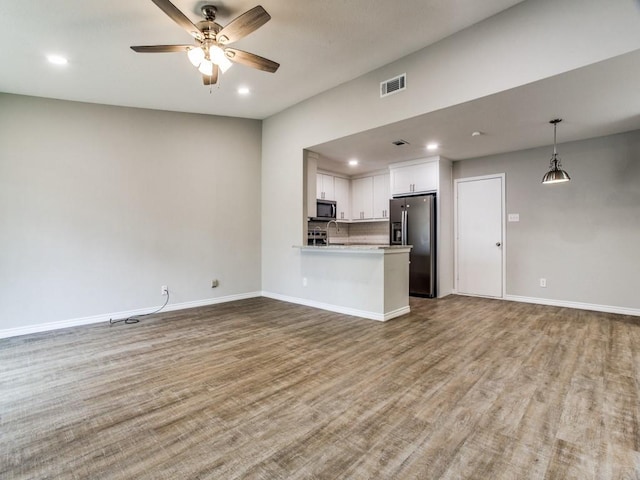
(596, 100)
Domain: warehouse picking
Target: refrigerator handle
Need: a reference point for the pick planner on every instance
(434, 245)
(404, 226)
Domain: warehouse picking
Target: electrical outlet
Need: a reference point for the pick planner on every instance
(543, 282)
(214, 283)
(304, 281)
(164, 290)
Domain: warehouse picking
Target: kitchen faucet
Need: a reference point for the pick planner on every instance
(328, 225)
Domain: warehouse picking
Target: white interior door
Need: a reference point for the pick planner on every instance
(479, 236)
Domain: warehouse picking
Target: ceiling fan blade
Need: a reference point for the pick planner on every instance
(161, 48)
(180, 18)
(211, 79)
(243, 25)
(251, 60)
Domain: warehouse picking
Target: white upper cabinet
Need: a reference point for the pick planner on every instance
(416, 178)
(362, 198)
(370, 197)
(343, 205)
(325, 188)
(381, 194)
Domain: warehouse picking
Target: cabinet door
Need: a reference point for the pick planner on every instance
(324, 187)
(362, 198)
(381, 194)
(401, 180)
(426, 177)
(319, 190)
(419, 178)
(341, 186)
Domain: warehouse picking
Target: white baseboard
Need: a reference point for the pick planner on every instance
(337, 308)
(74, 322)
(579, 305)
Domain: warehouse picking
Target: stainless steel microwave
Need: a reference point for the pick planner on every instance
(325, 210)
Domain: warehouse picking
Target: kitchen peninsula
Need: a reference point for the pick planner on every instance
(369, 281)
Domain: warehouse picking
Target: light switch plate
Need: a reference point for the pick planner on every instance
(514, 217)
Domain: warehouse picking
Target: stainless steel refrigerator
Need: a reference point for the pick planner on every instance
(413, 222)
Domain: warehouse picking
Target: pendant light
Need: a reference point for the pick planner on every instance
(555, 174)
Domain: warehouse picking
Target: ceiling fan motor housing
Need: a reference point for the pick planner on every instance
(209, 12)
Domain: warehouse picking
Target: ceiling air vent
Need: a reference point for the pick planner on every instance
(393, 85)
(399, 142)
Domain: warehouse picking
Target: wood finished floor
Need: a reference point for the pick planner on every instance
(462, 388)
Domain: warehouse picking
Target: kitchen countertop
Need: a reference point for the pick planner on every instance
(356, 248)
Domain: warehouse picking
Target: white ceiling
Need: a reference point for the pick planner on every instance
(319, 44)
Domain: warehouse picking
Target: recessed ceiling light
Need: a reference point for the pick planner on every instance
(477, 133)
(353, 162)
(432, 146)
(244, 90)
(57, 60)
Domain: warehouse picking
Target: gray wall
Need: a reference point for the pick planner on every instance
(505, 51)
(582, 236)
(100, 206)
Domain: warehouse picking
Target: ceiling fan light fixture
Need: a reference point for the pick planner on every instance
(196, 56)
(218, 57)
(206, 68)
(216, 54)
(224, 64)
(555, 174)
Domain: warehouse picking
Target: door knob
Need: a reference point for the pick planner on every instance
(498, 244)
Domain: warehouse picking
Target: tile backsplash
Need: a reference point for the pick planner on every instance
(376, 233)
(369, 232)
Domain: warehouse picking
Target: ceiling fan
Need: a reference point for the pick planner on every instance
(211, 53)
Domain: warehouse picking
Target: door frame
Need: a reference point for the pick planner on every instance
(457, 181)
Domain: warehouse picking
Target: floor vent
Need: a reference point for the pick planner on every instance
(393, 85)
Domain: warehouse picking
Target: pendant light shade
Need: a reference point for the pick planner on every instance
(555, 174)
